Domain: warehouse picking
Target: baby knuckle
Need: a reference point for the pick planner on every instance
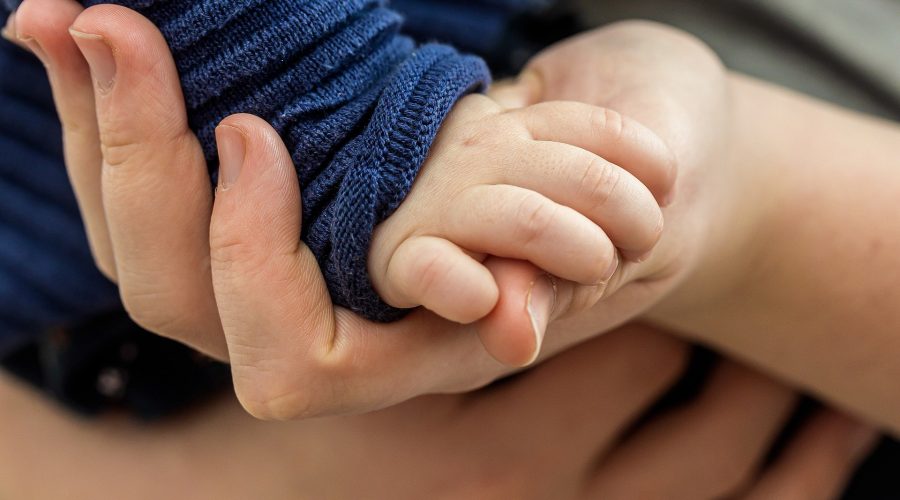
(473, 108)
(599, 181)
(425, 272)
(535, 216)
(607, 122)
(651, 233)
(602, 257)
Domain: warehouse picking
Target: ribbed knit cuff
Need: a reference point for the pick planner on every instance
(357, 104)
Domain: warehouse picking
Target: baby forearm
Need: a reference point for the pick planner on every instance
(816, 296)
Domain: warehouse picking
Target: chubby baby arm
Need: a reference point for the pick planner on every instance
(560, 184)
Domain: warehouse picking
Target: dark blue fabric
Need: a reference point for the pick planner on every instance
(475, 25)
(357, 103)
(47, 275)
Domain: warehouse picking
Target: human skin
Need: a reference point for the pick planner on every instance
(796, 199)
(707, 259)
(829, 446)
(320, 359)
(557, 432)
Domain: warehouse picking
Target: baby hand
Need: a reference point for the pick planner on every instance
(560, 184)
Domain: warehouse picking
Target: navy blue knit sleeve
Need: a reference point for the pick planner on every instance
(357, 103)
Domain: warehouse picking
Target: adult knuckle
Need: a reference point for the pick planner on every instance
(270, 386)
(117, 151)
(121, 144)
(234, 257)
(258, 398)
(276, 385)
(153, 310)
(225, 249)
(78, 129)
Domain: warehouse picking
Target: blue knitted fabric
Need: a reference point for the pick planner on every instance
(357, 103)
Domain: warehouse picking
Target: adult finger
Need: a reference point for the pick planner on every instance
(818, 462)
(292, 353)
(705, 450)
(511, 333)
(584, 398)
(43, 27)
(156, 190)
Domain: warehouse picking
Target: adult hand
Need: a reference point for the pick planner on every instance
(562, 430)
(233, 279)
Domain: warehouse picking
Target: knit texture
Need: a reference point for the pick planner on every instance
(347, 93)
(357, 103)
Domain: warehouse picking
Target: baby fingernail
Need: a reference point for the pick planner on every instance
(99, 56)
(669, 199)
(541, 300)
(614, 265)
(232, 149)
(636, 256)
